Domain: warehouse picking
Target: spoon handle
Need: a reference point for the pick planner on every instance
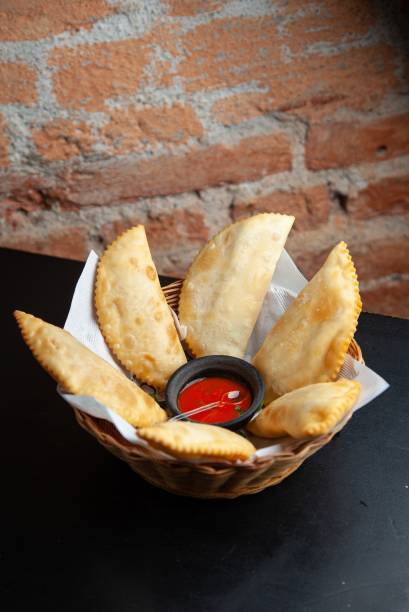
(185, 415)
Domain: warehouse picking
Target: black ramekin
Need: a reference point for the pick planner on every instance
(217, 365)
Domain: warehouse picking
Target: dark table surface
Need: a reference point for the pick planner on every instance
(81, 531)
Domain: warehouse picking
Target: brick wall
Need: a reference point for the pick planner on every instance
(187, 114)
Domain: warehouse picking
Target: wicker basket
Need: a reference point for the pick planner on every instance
(202, 480)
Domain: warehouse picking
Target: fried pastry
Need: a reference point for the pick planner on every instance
(82, 372)
(306, 412)
(225, 286)
(309, 342)
(197, 441)
(132, 312)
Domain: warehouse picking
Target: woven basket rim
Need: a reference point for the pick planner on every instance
(113, 440)
(102, 429)
(105, 432)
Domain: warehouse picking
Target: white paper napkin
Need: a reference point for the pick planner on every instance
(286, 283)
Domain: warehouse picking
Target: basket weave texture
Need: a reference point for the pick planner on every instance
(203, 480)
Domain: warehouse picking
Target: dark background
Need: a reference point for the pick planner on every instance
(81, 531)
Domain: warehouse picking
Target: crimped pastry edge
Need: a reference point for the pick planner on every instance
(19, 315)
(339, 361)
(357, 311)
(350, 397)
(195, 350)
(194, 451)
(345, 404)
(64, 383)
(112, 246)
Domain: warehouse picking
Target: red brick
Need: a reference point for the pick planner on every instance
(189, 8)
(248, 160)
(310, 206)
(389, 297)
(236, 108)
(25, 191)
(68, 242)
(134, 129)
(37, 19)
(89, 74)
(14, 213)
(373, 260)
(165, 230)
(382, 257)
(62, 139)
(17, 84)
(385, 197)
(176, 264)
(8, 205)
(108, 232)
(228, 52)
(316, 85)
(330, 22)
(4, 144)
(170, 231)
(309, 261)
(340, 144)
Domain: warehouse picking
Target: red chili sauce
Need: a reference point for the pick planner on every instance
(214, 389)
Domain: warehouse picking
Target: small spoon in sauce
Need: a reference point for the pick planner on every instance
(226, 398)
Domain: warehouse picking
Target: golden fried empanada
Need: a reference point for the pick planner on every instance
(309, 342)
(82, 372)
(197, 441)
(132, 312)
(306, 412)
(225, 286)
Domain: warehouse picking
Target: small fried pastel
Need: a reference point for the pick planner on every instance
(81, 372)
(309, 342)
(225, 286)
(197, 441)
(306, 412)
(133, 315)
